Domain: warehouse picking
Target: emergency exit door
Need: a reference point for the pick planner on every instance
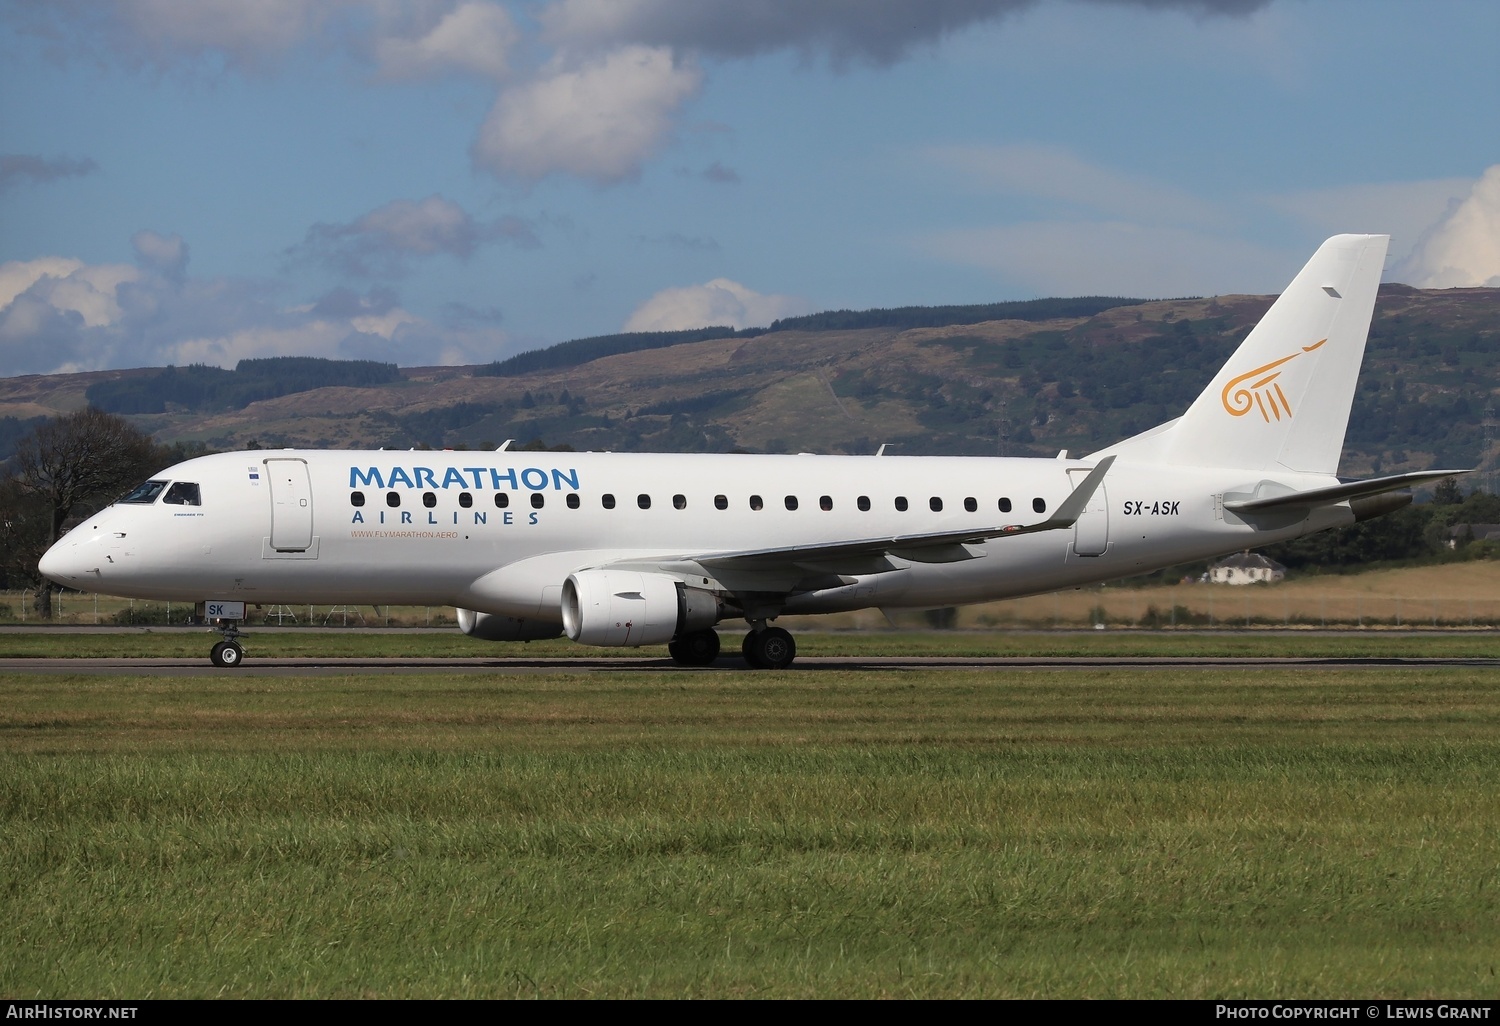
(291, 505)
(1091, 532)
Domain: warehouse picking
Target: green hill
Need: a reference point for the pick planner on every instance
(1022, 379)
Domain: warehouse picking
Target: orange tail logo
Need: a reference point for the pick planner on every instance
(1263, 394)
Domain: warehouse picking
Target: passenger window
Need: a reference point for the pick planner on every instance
(935, 504)
(145, 493)
(721, 502)
(643, 500)
(465, 499)
(607, 500)
(429, 499)
(183, 493)
(791, 502)
(393, 499)
(572, 500)
(538, 500)
(901, 503)
(756, 502)
(356, 498)
(502, 500)
(1039, 504)
(679, 502)
(971, 505)
(1004, 505)
(863, 502)
(825, 503)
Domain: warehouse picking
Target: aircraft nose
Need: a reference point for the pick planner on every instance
(61, 563)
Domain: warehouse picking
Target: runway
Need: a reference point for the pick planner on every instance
(362, 666)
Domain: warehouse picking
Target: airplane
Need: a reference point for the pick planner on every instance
(632, 549)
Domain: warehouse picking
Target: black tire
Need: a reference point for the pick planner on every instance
(227, 655)
(770, 649)
(749, 651)
(699, 648)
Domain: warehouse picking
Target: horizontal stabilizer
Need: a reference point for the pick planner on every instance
(1340, 492)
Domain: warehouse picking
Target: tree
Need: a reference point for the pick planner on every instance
(67, 467)
(1446, 493)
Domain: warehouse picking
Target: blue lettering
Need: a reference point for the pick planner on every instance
(558, 477)
(455, 516)
(478, 473)
(430, 518)
(541, 478)
(382, 516)
(405, 517)
(533, 519)
(481, 518)
(397, 474)
(496, 477)
(452, 474)
(424, 477)
(369, 477)
(507, 516)
(359, 518)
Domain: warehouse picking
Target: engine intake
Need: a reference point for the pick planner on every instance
(618, 608)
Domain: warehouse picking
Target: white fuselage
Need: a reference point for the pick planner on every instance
(500, 532)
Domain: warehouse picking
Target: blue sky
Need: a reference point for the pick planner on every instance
(454, 181)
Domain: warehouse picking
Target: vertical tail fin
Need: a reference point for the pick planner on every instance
(1282, 401)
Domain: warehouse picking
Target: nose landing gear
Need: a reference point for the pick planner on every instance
(229, 653)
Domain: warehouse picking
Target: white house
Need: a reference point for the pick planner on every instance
(1246, 568)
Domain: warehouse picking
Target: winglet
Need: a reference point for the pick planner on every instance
(1073, 506)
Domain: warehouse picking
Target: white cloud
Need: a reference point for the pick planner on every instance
(68, 286)
(1402, 210)
(1462, 249)
(1114, 258)
(60, 315)
(598, 120)
(16, 276)
(1052, 173)
(473, 37)
(165, 254)
(718, 302)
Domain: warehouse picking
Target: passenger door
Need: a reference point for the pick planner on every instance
(291, 505)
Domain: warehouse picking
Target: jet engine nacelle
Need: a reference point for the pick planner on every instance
(492, 627)
(627, 608)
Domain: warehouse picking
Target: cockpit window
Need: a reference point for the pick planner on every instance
(183, 493)
(145, 493)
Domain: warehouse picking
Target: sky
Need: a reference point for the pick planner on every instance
(455, 181)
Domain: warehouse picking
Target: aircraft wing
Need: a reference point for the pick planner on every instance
(934, 547)
(1340, 492)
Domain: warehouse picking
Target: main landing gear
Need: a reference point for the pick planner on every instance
(764, 648)
(229, 653)
(700, 648)
(768, 648)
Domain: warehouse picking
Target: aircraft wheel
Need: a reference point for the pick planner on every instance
(227, 654)
(770, 649)
(699, 648)
(748, 650)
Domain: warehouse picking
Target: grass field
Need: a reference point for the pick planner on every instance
(1111, 833)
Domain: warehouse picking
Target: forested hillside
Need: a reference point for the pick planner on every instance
(1013, 378)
